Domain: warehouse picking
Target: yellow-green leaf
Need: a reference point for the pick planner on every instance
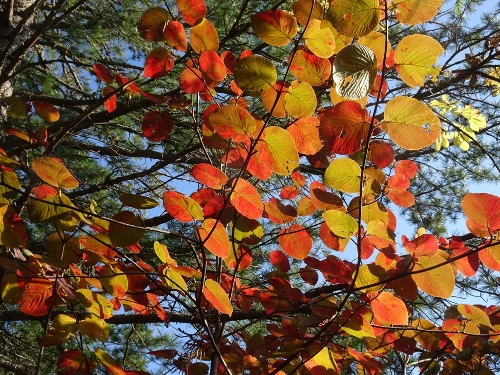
(232, 121)
(217, 297)
(137, 201)
(355, 70)
(410, 123)
(344, 175)
(340, 223)
(276, 150)
(95, 303)
(114, 281)
(275, 27)
(95, 328)
(62, 250)
(53, 172)
(413, 12)
(319, 39)
(354, 18)
(126, 229)
(254, 74)
(415, 57)
(300, 101)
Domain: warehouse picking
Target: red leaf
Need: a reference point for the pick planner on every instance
(192, 10)
(279, 260)
(72, 362)
(309, 275)
(181, 207)
(156, 126)
(36, 297)
(175, 35)
(165, 353)
(102, 73)
(208, 175)
(426, 244)
(344, 128)
(109, 103)
(289, 192)
(246, 199)
(158, 63)
(295, 241)
(381, 154)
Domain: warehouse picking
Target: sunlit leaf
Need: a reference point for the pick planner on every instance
(152, 22)
(415, 57)
(114, 281)
(413, 12)
(95, 328)
(483, 210)
(254, 74)
(303, 13)
(381, 153)
(214, 238)
(410, 123)
(340, 223)
(389, 309)
(72, 362)
(246, 199)
(181, 207)
(322, 363)
(354, 72)
(102, 73)
(275, 27)
(53, 172)
(175, 35)
(156, 126)
(212, 65)
(279, 260)
(95, 303)
(275, 107)
(304, 132)
(377, 42)
(191, 81)
(426, 244)
(344, 175)
(247, 231)
(370, 278)
(436, 282)
(204, 37)
(158, 63)
(277, 151)
(279, 213)
(308, 67)
(300, 101)
(232, 121)
(354, 18)
(217, 297)
(192, 10)
(36, 297)
(323, 199)
(209, 175)
(109, 363)
(295, 241)
(344, 128)
(319, 39)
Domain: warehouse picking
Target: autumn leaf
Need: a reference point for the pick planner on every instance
(275, 27)
(217, 297)
(53, 172)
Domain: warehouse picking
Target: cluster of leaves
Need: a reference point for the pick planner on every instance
(256, 121)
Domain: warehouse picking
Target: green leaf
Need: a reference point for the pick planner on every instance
(355, 70)
(137, 201)
(254, 74)
(340, 223)
(300, 101)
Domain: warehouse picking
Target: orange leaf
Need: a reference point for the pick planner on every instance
(232, 121)
(389, 309)
(279, 260)
(73, 362)
(426, 244)
(204, 37)
(158, 63)
(208, 175)
(175, 35)
(181, 207)
(156, 126)
(35, 300)
(305, 133)
(483, 210)
(53, 172)
(217, 297)
(46, 111)
(295, 241)
(191, 81)
(246, 199)
(192, 10)
(109, 103)
(214, 238)
(308, 67)
(128, 84)
(276, 151)
(279, 213)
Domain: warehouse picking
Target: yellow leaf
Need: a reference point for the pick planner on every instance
(319, 39)
(254, 74)
(354, 18)
(437, 282)
(300, 101)
(53, 172)
(413, 12)
(217, 297)
(340, 223)
(415, 57)
(344, 175)
(94, 327)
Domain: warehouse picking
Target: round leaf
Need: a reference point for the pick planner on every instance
(295, 241)
(208, 175)
(354, 18)
(437, 282)
(53, 172)
(214, 238)
(192, 10)
(413, 12)
(152, 22)
(343, 175)
(276, 150)
(204, 37)
(181, 207)
(355, 70)
(158, 63)
(300, 101)
(275, 27)
(389, 309)
(340, 223)
(319, 39)
(246, 199)
(254, 74)
(156, 126)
